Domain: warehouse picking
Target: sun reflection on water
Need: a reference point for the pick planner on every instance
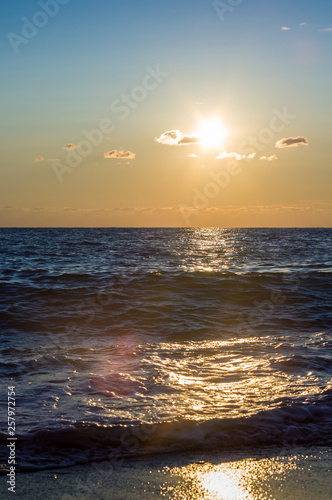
(220, 485)
(212, 482)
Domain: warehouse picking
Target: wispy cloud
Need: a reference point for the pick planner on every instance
(53, 159)
(314, 212)
(38, 158)
(122, 155)
(236, 156)
(292, 142)
(302, 25)
(69, 146)
(269, 158)
(176, 138)
(193, 156)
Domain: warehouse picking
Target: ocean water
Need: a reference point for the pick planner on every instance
(122, 342)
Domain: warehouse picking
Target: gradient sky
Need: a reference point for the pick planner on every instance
(242, 66)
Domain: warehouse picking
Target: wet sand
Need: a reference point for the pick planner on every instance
(299, 473)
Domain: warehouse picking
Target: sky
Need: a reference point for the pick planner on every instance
(179, 113)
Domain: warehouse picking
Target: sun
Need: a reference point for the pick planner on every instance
(211, 133)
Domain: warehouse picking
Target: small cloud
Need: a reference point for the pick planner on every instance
(9, 209)
(285, 28)
(38, 158)
(176, 138)
(236, 156)
(326, 29)
(303, 24)
(122, 155)
(269, 158)
(193, 156)
(188, 139)
(69, 146)
(292, 142)
(53, 159)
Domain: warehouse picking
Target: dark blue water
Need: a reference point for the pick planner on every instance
(130, 341)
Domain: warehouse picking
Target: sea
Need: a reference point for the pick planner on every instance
(122, 342)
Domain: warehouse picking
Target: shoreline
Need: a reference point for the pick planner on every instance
(302, 473)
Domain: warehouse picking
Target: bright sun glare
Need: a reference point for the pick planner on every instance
(211, 133)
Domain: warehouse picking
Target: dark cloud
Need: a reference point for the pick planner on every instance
(188, 139)
(122, 155)
(69, 146)
(292, 142)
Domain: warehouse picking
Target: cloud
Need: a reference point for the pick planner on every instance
(69, 146)
(326, 29)
(292, 142)
(303, 24)
(285, 28)
(9, 209)
(176, 138)
(188, 139)
(122, 155)
(53, 159)
(193, 156)
(38, 158)
(269, 158)
(236, 156)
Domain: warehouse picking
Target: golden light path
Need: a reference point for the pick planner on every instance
(275, 478)
(220, 485)
(213, 482)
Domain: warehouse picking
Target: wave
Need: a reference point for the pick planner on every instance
(241, 288)
(309, 424)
